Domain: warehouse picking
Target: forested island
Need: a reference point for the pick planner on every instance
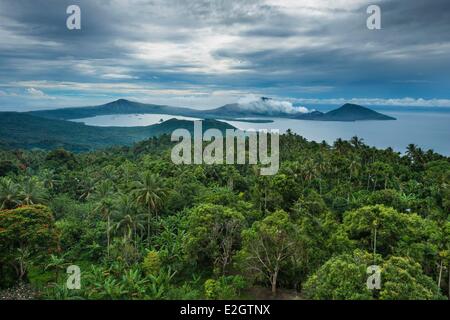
(26, 131)
(141, 227)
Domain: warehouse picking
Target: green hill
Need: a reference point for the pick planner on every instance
(23, 130)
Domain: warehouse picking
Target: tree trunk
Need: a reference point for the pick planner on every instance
(374, 244)
(108, 235)
(265, 199)
(22, 271)
(440, 275)
(274, 282)
(148, 226)
(135, 237)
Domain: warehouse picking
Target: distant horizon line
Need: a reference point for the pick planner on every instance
(296, 103)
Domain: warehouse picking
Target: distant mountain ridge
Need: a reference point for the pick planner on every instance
(121, 106)
(235, 111)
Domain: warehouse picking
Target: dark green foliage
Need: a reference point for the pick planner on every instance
(226, 287)
(141, 227)
(344, 277)
(7, 167)
(24, 130)
(27, 236)
(213, 235)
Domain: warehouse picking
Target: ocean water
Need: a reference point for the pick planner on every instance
(129, 120)
(428, 130)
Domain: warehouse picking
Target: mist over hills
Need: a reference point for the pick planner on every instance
(259, 106)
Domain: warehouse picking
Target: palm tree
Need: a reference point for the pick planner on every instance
(127, 226)
(86, 187)
(109, 172)
(102, 194)
(9, 194)
(354, 167)
(357, 142)
(415, 154)
(56, 263)
(150, 192)
(130, 220)
(339, 145)
(48, 178)
(32, 191)
(127, 171)
(411, 151)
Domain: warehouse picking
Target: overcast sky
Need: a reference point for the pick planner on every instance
(203, 54)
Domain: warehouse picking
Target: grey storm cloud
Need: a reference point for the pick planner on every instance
(202, 47)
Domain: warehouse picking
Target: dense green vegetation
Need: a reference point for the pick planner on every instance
(23, 130)
(141, 227)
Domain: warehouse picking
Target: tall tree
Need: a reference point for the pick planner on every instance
(27, 234)
(103, 205)
(268, 245)
(33, 192)
(9, 194)
(213, 235)
(129, 219)
(150, 192)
